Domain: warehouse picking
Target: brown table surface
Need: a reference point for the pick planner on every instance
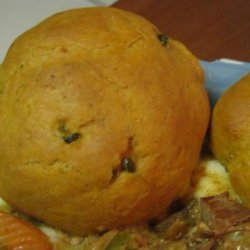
(211, 29)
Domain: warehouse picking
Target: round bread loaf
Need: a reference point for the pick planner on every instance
(230, 135)
(102, 120)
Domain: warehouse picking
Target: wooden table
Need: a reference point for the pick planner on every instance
(211, 29)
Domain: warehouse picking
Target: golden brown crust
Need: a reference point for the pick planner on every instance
(230, 135)
(101, 76)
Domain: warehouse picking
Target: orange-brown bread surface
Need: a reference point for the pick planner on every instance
(230, 135)
(102, 120)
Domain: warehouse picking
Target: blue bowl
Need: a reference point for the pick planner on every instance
(221, 74)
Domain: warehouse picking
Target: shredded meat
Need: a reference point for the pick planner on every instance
(215, 222)
(211, 223)
(223, 215)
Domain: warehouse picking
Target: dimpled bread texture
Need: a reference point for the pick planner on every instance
(101, 122)
(230, 135)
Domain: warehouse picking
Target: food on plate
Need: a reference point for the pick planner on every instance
(230, 135)
(210, 178)
(19, 234)
(214, 222)
(102, 121)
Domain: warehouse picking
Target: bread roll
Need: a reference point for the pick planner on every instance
(102, 120)
(230, 135)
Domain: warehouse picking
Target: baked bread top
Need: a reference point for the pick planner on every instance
(102, 120)
(230, 135)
